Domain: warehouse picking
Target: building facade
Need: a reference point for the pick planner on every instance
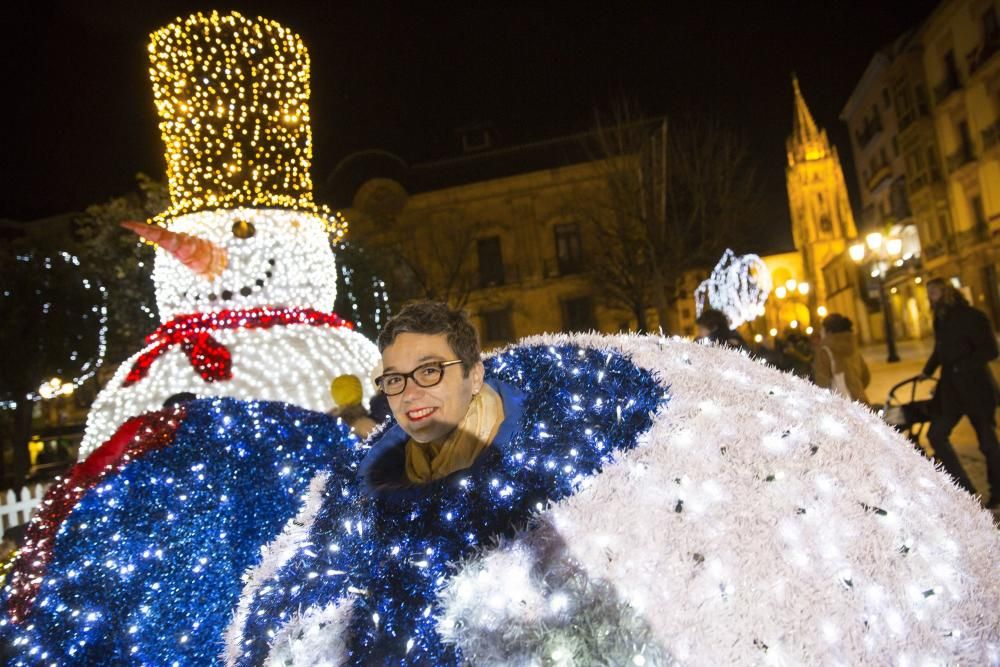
(961, 62)
(924, 121)
(887, 99)
(496, 232)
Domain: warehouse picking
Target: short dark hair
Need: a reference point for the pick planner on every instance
(837, 323)
(434, 317)
(713, 320)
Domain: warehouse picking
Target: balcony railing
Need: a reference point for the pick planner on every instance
(968, 237)
(991, 135)
(963, 156)
(978, 56)
(912, 115)
(950, 84)
(881, 174)
(934, 250)
(872, 127)
(925, 179)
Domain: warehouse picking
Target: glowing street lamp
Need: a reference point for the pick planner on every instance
(880, 251)
(791, 290)
(55, 387)
(894, 246)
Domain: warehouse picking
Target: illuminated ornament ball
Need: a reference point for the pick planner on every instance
(738, 286)
(727, 513)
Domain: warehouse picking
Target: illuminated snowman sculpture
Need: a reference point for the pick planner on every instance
(245, 276)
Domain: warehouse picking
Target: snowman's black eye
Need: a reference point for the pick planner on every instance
(243, 229)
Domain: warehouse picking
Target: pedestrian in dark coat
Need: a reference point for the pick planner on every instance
(964, 344)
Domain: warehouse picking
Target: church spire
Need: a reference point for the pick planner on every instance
(822, 221)
(807, 142)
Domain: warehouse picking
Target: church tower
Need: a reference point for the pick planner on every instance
(822, 221)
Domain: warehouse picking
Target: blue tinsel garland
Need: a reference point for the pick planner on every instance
(147, 568)
(583, 406)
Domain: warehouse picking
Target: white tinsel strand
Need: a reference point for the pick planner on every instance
(313, 638)
(702, 534)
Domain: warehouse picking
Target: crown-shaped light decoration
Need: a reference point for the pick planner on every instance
(738, 286)
(232, 94)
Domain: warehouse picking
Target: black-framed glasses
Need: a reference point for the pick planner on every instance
(425, 375)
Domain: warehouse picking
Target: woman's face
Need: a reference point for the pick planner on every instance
(934, 293)
(429, 414)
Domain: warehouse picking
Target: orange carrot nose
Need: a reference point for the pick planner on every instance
(201, 256)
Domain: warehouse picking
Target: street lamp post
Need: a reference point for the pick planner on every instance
(879, 251)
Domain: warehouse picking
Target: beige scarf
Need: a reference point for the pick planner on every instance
(427, 461)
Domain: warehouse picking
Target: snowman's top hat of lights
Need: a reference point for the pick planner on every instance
(232, 95)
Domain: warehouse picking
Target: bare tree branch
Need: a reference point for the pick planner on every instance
(671, 202)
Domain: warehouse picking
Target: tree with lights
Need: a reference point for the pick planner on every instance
(122, 263)
(362, 292)
(436, 261)
(55, 321)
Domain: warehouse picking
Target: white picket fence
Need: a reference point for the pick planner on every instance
(14, 512)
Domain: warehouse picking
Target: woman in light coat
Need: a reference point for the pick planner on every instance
(838, 364)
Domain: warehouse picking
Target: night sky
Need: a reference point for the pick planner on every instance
(78, 118)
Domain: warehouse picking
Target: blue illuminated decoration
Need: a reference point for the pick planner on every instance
(147, 568)
(582, 408)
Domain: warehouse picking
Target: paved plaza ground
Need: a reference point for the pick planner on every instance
(913, 355)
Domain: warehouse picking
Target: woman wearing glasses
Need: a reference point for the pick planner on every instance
(446, 414)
